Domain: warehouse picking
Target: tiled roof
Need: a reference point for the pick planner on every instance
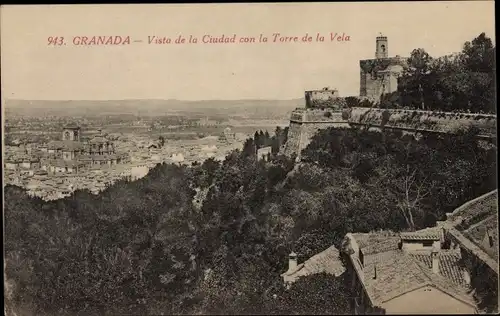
(377, 241)
(446, 285)
(431, 233)
(469, 223)
(326, 261)
(397, 273)
(448, 264)
(476, 210)
(480, 232)
(388, 272)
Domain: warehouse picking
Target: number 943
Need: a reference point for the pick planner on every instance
(56, 41)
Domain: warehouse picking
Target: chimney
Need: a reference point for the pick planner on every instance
(292, 261)
(466, 277)
(435, 261)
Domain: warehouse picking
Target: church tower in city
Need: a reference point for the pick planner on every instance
(71, 132)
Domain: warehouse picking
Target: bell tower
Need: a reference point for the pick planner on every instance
(71, 132)
(382, 47)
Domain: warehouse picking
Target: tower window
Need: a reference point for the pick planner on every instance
(383, 48)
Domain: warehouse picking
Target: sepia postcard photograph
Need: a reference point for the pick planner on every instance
(249, 158)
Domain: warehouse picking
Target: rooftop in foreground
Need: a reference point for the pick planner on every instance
(388, 271)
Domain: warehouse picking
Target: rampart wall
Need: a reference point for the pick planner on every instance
(305, 123)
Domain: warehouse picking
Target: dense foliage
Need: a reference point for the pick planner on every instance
(412, 182)
(463, 82)
(460, 82)
(146, 247)
(263, 139)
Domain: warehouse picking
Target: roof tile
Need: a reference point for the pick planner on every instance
(479, 233)
(390, 272)
(449, 264)
(326, 261)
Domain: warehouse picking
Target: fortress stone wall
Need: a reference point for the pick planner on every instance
(305, 123)
(325, 108)
(422, 121)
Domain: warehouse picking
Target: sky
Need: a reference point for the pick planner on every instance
(33, 70)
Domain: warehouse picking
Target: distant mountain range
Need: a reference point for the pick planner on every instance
(146, 107)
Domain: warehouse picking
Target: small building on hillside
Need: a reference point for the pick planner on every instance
(264, 153)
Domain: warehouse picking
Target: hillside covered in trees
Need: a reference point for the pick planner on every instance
(158, 246)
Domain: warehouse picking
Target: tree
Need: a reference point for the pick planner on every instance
(267, 137)
(257, 139)
(479, 54)
(318, 294)
(463, 81)
(410, 191)
(249, 148)
(416, 73)
(209, 168)
(352, 102)
(479, 61)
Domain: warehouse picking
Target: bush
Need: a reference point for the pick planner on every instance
(346, 114)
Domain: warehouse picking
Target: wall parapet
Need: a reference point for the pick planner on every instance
(426, 121)
(304, 123)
